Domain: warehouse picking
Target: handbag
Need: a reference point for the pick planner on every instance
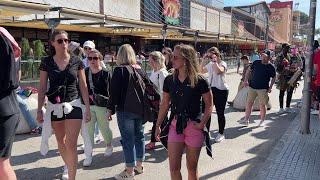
(98, 99)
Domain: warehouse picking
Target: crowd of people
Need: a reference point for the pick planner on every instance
(82, 94)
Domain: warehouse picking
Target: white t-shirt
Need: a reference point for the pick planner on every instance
(217, 80)
(157, 78)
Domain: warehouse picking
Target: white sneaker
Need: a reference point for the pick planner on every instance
(87, 161)
(81, 148)
(97, 139)
(219, 138)
(65, 175)
(124, 176)
(281, 110)
(314, 112)
(108, 151)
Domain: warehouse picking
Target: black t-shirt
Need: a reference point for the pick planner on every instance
(261, 74)
(101, 82)
(67, 78)
(187, 98)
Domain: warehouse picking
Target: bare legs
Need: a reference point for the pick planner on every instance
(67, 133)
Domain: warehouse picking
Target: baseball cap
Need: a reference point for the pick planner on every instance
(267, 52)
(89, 44)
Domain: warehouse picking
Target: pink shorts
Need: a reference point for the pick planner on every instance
(191, 136)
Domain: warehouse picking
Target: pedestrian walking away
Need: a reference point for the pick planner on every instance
(125, 97)
(64, 109)
(182, 91)
(216, 70)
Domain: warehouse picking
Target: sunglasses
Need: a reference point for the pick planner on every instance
(60, 41)
(93, 58)
(87, 48)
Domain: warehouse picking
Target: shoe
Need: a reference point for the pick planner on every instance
(108, 152)
(81, 148)
(87, 161)
(138, 170)
(262, 123)
(65, 175)
(244, 122)
(289, 110)
(150, 146)
(219, 138)
(36, 131)
(281, 110)
(314, 112)
(124, 176)
(97, 139)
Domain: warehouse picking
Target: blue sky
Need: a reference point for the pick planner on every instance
(303, 6)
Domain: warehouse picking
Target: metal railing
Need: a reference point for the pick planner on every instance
(30, 68)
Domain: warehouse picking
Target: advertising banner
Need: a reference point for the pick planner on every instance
(171, 11)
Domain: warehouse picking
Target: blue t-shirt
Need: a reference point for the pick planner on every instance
(261, 74)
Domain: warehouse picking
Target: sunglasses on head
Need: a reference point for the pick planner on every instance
(87, 48)
(93, 58)
(60, 41)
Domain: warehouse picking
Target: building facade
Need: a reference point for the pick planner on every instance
(282, 19)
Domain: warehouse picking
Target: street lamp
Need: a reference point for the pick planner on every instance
(196, 36)
(164, 34)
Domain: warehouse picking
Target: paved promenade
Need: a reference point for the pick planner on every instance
(238, 157)
(296, 156)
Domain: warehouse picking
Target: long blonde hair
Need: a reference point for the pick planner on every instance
(192, 65)
(158, 57)
(126, 55)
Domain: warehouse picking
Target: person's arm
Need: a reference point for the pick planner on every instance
(218, 68)
(84, 92)
(203, 67)
(273, 80)
(164, 107)
(246, 79)
(207, 98)
(41, 94)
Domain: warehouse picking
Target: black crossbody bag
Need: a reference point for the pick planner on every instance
(98, 99)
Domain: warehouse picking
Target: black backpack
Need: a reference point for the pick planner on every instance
(142, 96)
(9, 76)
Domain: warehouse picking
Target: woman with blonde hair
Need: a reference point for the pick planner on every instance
(216, 70)
(159, 73)
(130, 124)
(182, 92)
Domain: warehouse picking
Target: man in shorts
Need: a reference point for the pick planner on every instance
(260, 71)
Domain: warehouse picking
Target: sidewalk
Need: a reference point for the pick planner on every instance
(295, 156)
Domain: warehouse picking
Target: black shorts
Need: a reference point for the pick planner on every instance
(76, 113)
(8, 126)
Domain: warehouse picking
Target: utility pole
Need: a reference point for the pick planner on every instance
(267, 31)
(306, 99)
